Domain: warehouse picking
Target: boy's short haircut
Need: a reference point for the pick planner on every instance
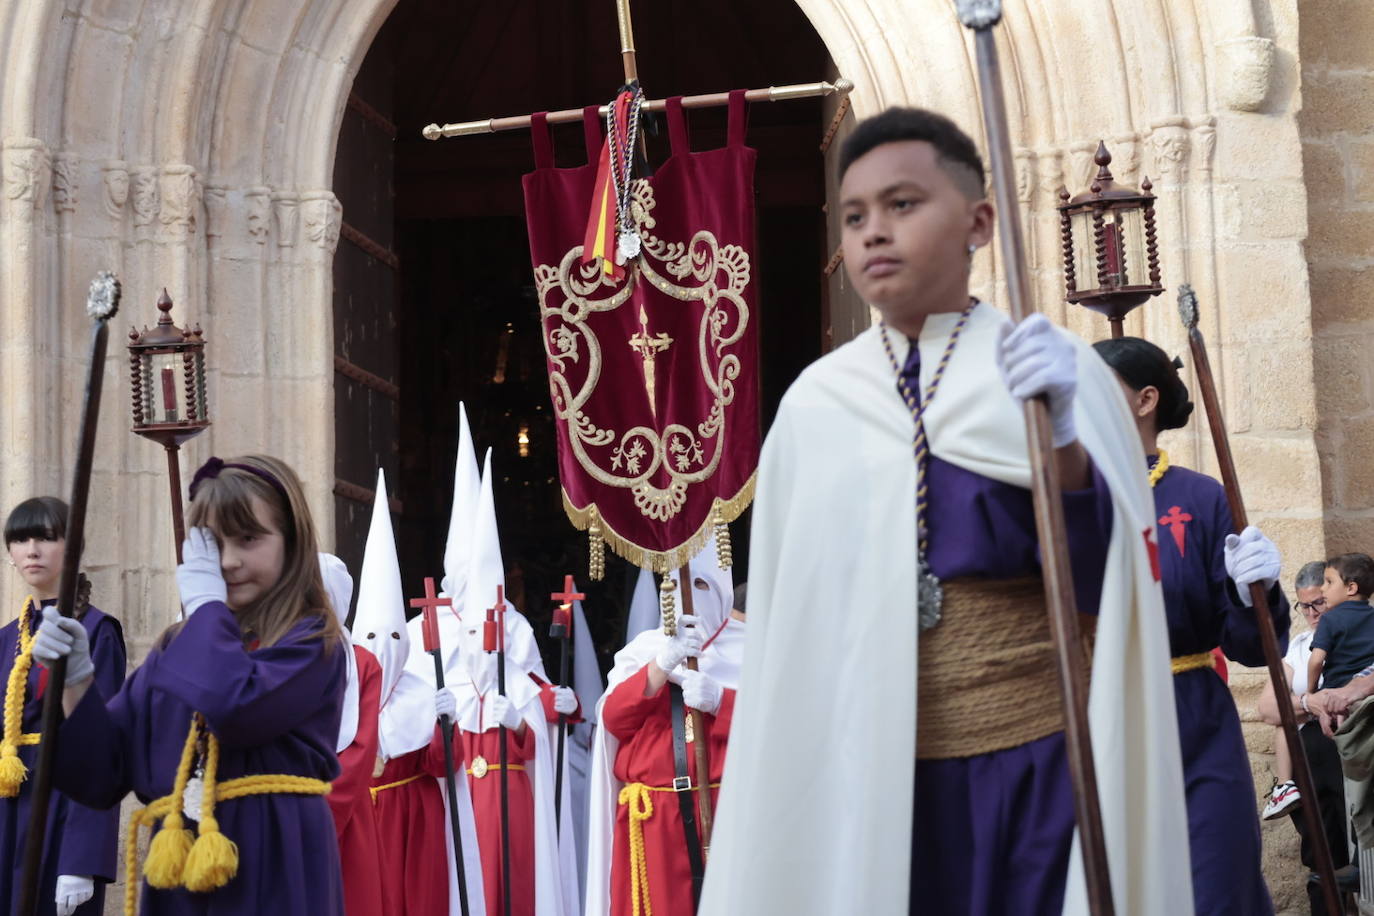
(1357, 568)
(954, 150)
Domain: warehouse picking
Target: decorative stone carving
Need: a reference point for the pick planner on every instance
(180, 188)
(285, 216)
(323, 217)
(145, 195)
(1025, 174)
(64, 182)
(114, 175)
(1169, 143)
(1205, 134)
(1049, 170)
(1081, 159)
(28, 171)
(1126, 158)
(258, 202)
(1247, 71)
(216, 210)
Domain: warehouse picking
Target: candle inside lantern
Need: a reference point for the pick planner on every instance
(169, 395)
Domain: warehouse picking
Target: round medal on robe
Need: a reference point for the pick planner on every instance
(479, 767)
(929, 596)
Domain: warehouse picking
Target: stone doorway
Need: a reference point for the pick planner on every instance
(433, 296)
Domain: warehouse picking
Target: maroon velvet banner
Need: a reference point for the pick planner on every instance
(654, 378)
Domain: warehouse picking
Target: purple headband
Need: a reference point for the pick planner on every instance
(212, 468)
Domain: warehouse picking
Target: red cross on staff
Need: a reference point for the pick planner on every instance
(496, 614)
(562, 617)
(428, 607)
(1175, 521)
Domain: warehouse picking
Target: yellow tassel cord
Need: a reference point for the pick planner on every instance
(596, 549)
(668, 606)
(725, 555)
(211, 860)
(12, 769)
(635, 796)
(1160, 467)
(374, 791)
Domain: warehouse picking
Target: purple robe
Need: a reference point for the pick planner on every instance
(992, 833)
(1204, 610)
(79, 840)
(275, 710)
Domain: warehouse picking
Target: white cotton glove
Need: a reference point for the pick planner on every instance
(686, 644)
(72, 891)
(701, 691)
(1034, 359)
(564, 701)
(444, 703)
(60, 637)
(1251, 557)
(501, 711)
(199, 577)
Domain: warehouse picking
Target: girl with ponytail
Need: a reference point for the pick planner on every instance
(226, 733)
(1205, 572)
(80, 844)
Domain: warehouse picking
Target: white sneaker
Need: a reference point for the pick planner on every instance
(1283, 798)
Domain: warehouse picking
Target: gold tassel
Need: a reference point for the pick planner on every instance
(172, 844)
(667, 605)
(12, 769)
(725, 557)
(214, 859)
(596, 552)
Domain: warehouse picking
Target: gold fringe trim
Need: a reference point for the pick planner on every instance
(723, 511)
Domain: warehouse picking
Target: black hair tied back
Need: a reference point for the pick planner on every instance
(1141, 364)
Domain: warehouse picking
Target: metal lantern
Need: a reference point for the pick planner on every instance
(167, 371)
(1111, 259)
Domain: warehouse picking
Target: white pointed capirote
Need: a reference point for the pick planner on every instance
(467, 486)
(406, 719)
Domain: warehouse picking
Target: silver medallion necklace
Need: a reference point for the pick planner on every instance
(929, 593)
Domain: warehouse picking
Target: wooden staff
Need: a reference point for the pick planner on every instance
(1259, 601)
(699, 732)
(494, 640)
(429, 606)
(101, 304)
(981, 16)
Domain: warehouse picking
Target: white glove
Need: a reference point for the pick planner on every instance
(199, 577)
(686, 644)
(564, 701)
(72, 891)
(701, 691)
(1251, 557)
(64, 637)
(1035, 359)
(444, 703)
(501, 711)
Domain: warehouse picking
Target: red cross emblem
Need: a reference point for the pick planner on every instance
(1175, 522)
(1153, 550)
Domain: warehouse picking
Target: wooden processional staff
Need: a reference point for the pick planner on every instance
(981, 16)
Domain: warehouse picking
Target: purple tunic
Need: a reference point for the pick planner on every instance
(1204, 611)
(275, 710)
(79, 840)
(992, 833)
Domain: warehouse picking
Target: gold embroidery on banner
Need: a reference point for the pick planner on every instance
(701, 270)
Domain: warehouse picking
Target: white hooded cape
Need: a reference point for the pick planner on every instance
(338, 585)
(832, 582)
(721, 661)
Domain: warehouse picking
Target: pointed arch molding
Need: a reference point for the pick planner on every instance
(191, 145)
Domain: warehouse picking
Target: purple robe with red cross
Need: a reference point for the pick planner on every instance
(275, 710)
(79, 840)
(1204, 610)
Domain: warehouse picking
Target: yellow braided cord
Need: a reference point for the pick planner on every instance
(214, 858)
(12, 769)
(1182, 663)
(377, 790)
(228, 790)
(493, 767)
(1160, 467)
(635, 796)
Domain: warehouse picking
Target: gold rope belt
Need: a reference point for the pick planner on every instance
(491, 767)
(987, 679)
(635, 796)
(377, 790)
(1182, 663)
(224, 791)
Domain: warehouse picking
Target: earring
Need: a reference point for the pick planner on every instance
(972, 249)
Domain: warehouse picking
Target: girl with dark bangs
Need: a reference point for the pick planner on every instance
(227, 731)
(79, 850)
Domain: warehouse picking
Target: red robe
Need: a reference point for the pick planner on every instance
(486, 811)
(351, 802)
(643, 725)
(410, 831)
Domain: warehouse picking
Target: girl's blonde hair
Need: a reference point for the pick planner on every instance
(224, 503)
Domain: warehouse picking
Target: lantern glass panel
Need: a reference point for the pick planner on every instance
(1137, 267)
(1084, 251)
(166, 384)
